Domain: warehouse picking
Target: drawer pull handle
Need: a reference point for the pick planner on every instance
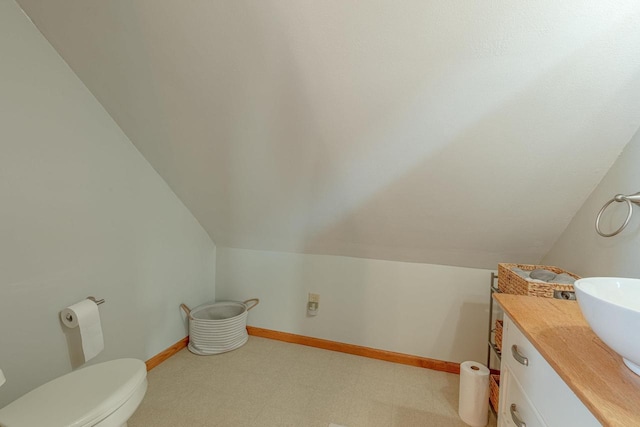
(515, 417)
(516, 355)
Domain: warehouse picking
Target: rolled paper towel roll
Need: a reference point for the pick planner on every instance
(86, 316)
(564, 279)
(542, 274)
(473, 406)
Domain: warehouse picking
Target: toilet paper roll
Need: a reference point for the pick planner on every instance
(86, 316)
(474, 394)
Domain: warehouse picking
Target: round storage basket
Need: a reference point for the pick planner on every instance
(218, 327)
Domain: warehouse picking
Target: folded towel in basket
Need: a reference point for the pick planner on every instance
(520, 272)
(541, 275)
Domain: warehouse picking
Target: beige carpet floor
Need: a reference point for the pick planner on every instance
(271, 383)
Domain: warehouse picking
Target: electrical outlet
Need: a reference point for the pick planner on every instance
(312, 304)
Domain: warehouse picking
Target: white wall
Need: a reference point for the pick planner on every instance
(404, 130)
(82, 213)
(426, 310)
(584, 252)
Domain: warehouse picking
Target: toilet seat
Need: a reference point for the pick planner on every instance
(81, 398)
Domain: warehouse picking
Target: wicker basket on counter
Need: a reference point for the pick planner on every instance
(498, 334)
(511, 283)
(494, 390)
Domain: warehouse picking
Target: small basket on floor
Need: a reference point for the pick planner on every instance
(494, 390)
(510, 282)
(498, 335)
(218, 327)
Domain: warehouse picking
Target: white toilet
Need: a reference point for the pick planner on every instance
(104, 395)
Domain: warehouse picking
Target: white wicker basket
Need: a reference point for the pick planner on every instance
(218, 327)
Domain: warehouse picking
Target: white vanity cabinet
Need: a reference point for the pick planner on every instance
(531, 392)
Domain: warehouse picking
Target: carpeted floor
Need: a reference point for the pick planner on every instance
(271, 383)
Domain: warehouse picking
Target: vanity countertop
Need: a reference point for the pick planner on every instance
(595, 373)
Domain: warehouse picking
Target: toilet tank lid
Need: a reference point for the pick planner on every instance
(78, 399)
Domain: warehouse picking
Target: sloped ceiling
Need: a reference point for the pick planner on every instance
(448, 132)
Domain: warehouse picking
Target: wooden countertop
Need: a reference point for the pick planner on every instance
(594, 372)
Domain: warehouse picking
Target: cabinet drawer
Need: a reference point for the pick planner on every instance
(556, 403)
(513, 397)
(532, 368)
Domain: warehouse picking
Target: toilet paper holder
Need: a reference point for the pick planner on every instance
(69, 317)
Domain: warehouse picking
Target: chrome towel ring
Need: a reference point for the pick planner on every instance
(630, 200)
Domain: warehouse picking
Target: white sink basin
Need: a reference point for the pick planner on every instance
(611, 306)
